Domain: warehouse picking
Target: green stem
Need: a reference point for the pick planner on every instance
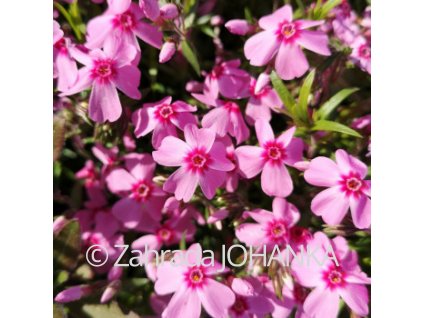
(68, 18)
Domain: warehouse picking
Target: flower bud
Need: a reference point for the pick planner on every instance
(73, 293)
(110, 291)
(238, 26)
(169, 11)
(194, 87)
(216, 20)
(167, 51)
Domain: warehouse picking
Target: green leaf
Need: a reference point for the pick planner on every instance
(304, 94)
(67, 246)
(283, 92)
(328, 125)
(327, 7)
(208, 31)
(248, 15)
(111, 310)
(182, 242)
(190, 56)
(329, 106)
(70, 20)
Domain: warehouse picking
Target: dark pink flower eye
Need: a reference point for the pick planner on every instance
(240, 306)
(125, 21)
(288, 29)
(353, 184)
(197, 160)
(195, 277)
(103, 69)
(274, 152)
(141, 191)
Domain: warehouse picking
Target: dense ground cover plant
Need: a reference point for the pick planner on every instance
(191, 125)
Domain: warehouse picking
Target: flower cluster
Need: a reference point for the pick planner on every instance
(266, 151)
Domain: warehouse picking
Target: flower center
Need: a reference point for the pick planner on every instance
(141, 191)
(274, 152)
(61, 46)
(354, 184)
(334, 277)
(197, 160)
(287, 31)
(240, 306)
(276, 231)
(364, 51)
(299, 234)
(217, 71)
(164, 234)
(126, 21)
(231, 107)
(103, 69)
(195, 277)
(300, 293)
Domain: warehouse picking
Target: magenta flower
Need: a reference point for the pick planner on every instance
(347, 189)
(271, 228)
(167, 51)
(226, 118)
(141, 198)
(162, 118)
(249, 300)
(105, 71)
(284, 38)
(193, 288)
(330, 282)
(270, 158)
(122, 23)
(202, 160)
(238, 26)
(227, 79)
(64, 66)
(263, 99)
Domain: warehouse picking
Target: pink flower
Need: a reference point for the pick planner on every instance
(122, 23)
(225, 119)
(271, 228)
(347, 189)
(73, 293)
(227, 79)
(361, 53)
(105, 71)
(193, 288)
(330, 282)
(141, 198)
(249, 300)
(202, 160)
(232, 177)
(284, 37)
(64, 67)
(162, 118)
(270, 158)
(238, 26)
(262, 100)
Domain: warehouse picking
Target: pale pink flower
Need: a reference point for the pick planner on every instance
(64, 66)
(347, 189)
(162, 117)
(193, 287)
(106, 71)
(263, 99)
(202, 160)
(225, 118)
(169, 11)
(227, 79)
(282, 37)
(270, 158)
(142, 200)
(332, 282)
(361, 53)
(272, 228)
(122, 23)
